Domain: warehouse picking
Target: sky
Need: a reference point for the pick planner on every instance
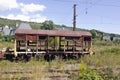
(103, 15)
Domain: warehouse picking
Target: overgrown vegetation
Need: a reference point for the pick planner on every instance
(94, 34)
(4, 44)
(104, 65)
(86, 73)
(7, 38)
(106, 60)
(34, 25)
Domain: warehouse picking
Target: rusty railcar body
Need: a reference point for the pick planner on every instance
(52, 42)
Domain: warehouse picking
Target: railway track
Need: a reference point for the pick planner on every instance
(52, 73)
(55, 74)
(65, 71)
(21, 72)
(58, 74)
(22, 78)
(15, 72)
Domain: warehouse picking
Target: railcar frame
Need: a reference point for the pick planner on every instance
(52, 42)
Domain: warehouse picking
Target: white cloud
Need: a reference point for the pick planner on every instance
(30, 8)
(17, 17)
(35, 18)
(28, 11)
(24, 8)
(38, 18)
(8, 4)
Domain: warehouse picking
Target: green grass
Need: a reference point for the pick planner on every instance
(6, 44)
(106, 59)
(106, 55)
(35, 67)
(106, 62)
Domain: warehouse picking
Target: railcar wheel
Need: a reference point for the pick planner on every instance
(64, 56)
(9, 57)
(47, 57)
(27, 57)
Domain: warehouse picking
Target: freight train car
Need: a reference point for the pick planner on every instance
(51, 43)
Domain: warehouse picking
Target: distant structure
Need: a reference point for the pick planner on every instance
(107, 37)
(6, 30)
(24, 26)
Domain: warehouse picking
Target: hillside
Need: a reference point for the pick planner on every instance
(34, 25)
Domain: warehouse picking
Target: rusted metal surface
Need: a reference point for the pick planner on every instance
(54, 32)
(37, 41)
(2, 55)
(20, 37)
(32, 37)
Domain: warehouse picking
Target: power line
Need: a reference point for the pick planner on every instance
(92, 4)
(108, 5)
(103, 23)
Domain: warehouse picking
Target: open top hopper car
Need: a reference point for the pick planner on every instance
(52, 42)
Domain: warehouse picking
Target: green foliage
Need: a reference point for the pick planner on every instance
(47, 25)
(106, 60)
(51, 42)
(108, 74)
(0, 33)
(111, 51)
(83, 66)
(35, 25)
(94, 33)
(4, 44)
(10, 23)
(7, 38)
(86, 73)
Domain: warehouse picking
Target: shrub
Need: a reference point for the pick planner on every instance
(94, 33)
(7, 38)
(87, 74)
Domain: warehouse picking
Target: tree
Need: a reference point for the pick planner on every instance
(47, 25)
(94, 34)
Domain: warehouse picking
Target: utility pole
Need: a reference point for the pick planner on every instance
(74, 18)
